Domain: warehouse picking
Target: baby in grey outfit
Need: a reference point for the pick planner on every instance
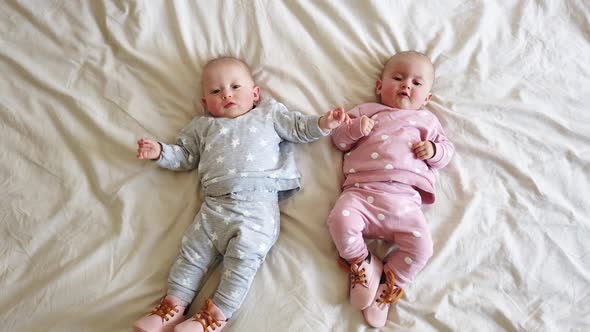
(246, 165)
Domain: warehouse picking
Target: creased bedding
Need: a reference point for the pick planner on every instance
(88, 232)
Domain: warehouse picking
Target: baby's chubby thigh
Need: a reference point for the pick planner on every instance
(387, 206)
(348, 221)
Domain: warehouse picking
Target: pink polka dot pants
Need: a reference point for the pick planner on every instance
(384, 210)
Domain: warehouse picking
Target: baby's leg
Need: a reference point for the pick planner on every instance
(346, 223)
(255, 232)
(195, 258)
(414, 245)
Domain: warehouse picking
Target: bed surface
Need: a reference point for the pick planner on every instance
(88, 232)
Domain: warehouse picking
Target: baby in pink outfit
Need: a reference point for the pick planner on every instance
(393, 149)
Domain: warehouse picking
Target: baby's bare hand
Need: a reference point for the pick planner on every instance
(148, 149)
(367, 125)
(334, 118)
(423, 150)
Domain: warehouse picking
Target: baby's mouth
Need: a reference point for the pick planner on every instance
(228, 105)
(404, 94)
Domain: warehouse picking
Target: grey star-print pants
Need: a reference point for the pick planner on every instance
(238, 229)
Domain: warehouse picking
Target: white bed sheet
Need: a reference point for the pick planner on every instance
(88, 233)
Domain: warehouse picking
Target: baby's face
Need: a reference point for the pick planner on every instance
(406, 82)
(228, 89)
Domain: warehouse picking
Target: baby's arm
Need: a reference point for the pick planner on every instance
(350, 132)
(437, 151)
(297, 127)
(184, 155)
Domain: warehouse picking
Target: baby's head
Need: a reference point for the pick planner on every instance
(406, 81)
(228, 88)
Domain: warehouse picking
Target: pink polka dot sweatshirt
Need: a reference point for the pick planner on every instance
(386, 154)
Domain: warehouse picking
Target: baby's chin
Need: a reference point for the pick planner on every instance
(401, 103)
(229, 113)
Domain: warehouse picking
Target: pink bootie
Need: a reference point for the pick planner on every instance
(210, 318)
(163, 318)
(364, 280)
(387, 294)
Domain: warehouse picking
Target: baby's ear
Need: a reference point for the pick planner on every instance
(427, 99)
(378, 86)
(256, 93)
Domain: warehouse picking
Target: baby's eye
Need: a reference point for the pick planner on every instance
(216, 91)
(417, 83)
(397, 78)
(236, 86)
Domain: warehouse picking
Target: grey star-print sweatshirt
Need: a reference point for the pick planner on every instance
(249, 153)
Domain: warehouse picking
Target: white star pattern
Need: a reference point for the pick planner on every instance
(177, 164)
(223, 131)
(219, 159)
(208, 147)
(231, 171)
(253, 130)
(235, 294)
(226, 220)
(176, 148)
(247, 213)
(240, 254)
(244, 175)
(185, 281)
(257, 227)
(235, 143)
(262, 247)
(196, 256)
(190, 158)
(214, 236)
(249, 157)
(227, 273)
(218, 209)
